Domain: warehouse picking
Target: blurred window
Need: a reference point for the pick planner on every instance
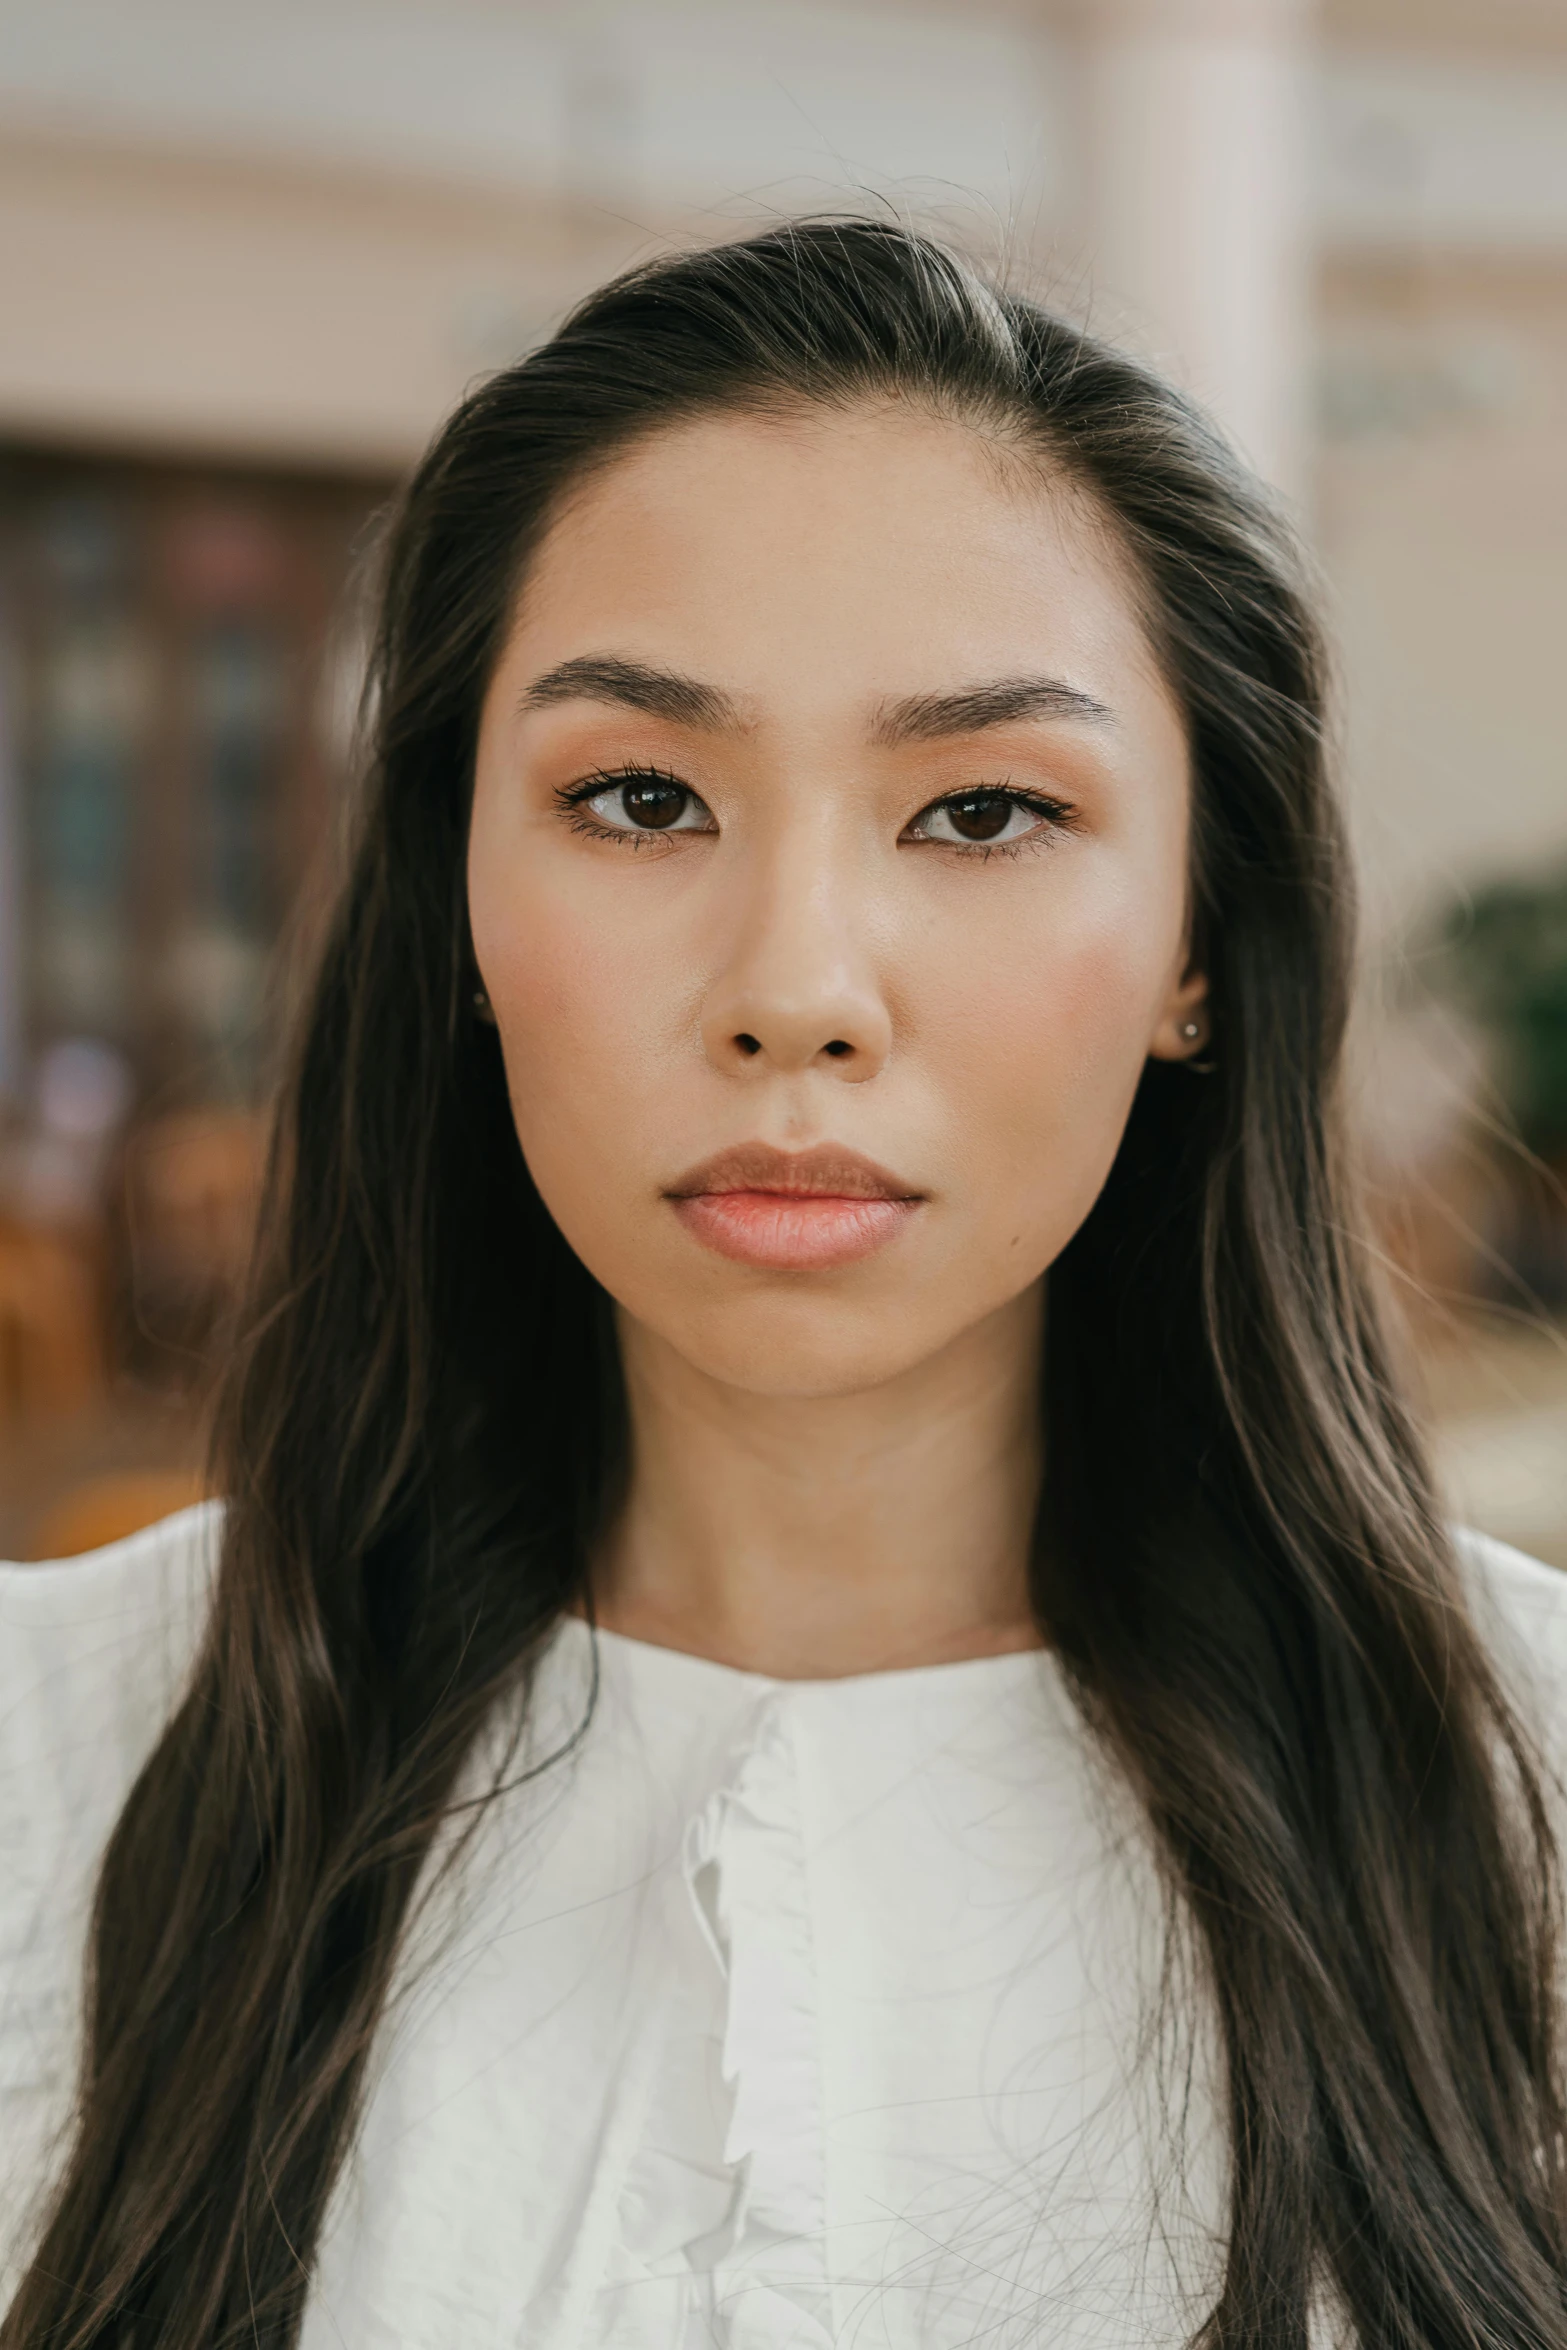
(87, 703)
(177, 642)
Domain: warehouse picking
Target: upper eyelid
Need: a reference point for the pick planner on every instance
(1045, 802)
(603, 779)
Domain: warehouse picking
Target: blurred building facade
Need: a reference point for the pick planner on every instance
(285, 239)
(249, 257)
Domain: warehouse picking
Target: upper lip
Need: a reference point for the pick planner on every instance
(825, 1172)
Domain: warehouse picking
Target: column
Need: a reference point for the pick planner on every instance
(1195, 184)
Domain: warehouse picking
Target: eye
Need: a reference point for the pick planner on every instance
(641, 800)
(985, 819)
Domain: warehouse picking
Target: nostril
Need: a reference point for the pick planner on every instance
(748, 1045)
(838, 1048)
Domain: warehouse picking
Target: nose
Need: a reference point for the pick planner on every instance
(800, 989)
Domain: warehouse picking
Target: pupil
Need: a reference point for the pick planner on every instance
(981, 816)
(654, 805)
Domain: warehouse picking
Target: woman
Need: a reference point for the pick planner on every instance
(836, 1708)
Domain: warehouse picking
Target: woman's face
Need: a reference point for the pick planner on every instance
(828, 884)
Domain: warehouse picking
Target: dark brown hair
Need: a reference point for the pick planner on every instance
(1261, 1614)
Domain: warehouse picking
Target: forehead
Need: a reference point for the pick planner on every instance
(878, 549)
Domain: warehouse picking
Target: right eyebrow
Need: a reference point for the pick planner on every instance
(926, 718)
(634, 685)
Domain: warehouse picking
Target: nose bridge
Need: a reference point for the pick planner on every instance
(801, 983)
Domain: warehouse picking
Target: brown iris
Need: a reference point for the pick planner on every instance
(980, 815)
(653, 804)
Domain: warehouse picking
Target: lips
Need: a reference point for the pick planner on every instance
(792, 1211)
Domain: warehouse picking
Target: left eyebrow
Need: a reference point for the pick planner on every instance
(924, 718)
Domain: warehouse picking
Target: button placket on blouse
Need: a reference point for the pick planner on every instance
(746, 1868)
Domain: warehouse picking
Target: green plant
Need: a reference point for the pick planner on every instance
(1506, 951)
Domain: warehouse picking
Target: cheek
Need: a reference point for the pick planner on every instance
(583, 1025)
(1040, 1042)
(552, 983)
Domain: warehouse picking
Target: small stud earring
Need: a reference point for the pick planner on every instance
(1192, 1033)
(482, 1008)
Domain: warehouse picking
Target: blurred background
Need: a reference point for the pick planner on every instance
(249, 256)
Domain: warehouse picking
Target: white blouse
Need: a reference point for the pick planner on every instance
(770, 2016)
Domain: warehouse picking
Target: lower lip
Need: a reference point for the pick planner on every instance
(792, 1232)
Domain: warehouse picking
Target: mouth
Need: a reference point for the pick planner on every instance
(793, 1211)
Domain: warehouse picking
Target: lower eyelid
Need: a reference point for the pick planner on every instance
(588, 819)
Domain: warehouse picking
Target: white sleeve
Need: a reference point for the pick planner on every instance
(1520, 1610)
(94, 1652)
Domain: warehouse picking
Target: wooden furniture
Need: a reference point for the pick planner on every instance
(106, 1509)
(190, 1187)
(51, 1327)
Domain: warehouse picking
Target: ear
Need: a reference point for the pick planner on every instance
(1185, 1023)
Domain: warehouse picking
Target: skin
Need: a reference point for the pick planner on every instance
(834, 1468)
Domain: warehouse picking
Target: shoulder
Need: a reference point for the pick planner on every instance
(1520, 1611)
(94, 1650)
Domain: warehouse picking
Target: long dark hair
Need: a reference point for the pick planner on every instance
(1239, 1557)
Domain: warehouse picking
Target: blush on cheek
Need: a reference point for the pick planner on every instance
(584, 1068)
(1044, 1074)
(532, 968)
(1074, 1014)
(558, 987)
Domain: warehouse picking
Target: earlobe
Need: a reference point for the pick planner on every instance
(1195, 1034)
(1187, 1027)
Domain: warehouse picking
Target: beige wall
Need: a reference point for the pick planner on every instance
(242, 308)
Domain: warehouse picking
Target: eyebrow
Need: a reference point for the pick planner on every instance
(635, 685)
(925, 718)
(686, 701)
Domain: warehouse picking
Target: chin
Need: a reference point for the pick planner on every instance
(809, 1348)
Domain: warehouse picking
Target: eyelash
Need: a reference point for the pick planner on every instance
(572, 800)
(1056, 815)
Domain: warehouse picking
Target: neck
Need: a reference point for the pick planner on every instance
(808, 1537)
